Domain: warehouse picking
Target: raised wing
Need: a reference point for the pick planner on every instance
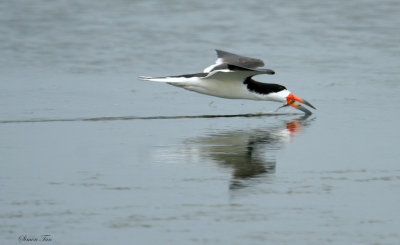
(234, 73)
(225, 58)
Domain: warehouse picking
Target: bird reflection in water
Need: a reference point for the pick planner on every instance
(250, 153)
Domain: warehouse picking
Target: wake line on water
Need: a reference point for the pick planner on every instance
(97, 119)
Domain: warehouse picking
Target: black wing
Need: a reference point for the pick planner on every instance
(225, 58)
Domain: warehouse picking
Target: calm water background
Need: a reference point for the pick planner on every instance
(77, 165)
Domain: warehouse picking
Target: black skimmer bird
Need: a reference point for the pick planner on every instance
(231, 77)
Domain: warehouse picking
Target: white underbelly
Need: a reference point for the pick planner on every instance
(230, 90)
(223, 89)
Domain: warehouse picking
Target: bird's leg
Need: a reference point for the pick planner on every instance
(280, 107)
(288, 104)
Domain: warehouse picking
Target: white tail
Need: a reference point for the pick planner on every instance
(156, 79)
(180, 80)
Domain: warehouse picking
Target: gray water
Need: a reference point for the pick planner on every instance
(91, 155)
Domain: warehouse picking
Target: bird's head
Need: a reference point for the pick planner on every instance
(292, 99)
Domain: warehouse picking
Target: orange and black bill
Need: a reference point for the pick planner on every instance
(291, 100)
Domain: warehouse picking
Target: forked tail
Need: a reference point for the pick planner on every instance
(155, 79)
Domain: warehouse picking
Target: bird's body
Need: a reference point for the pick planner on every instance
(231, 78)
